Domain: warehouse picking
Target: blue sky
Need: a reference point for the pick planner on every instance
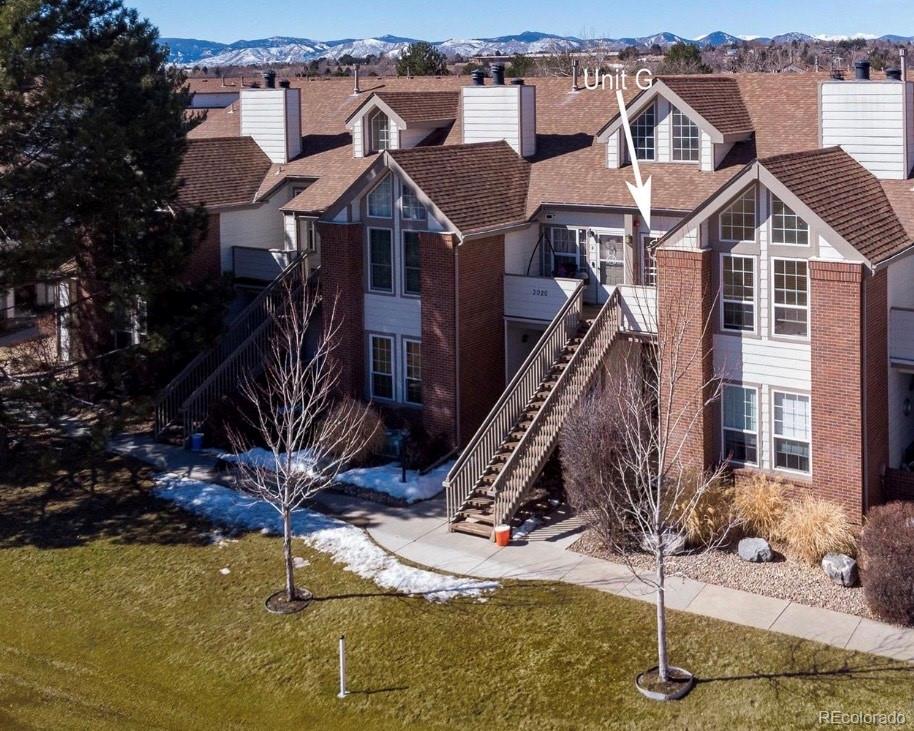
(221, 20)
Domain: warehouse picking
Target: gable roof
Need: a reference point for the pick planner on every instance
(415, 106)
(846, 196)
(717, 99)
(478, 186)
(222, 171)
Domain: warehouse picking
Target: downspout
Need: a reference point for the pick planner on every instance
(457, 343)
(863, 382)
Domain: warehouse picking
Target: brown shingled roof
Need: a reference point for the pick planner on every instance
(477, 186)
(846, 196)
(222, 171)
(424, 106)
(716, 98)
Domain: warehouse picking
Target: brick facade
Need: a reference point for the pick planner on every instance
(684, 300)
(439, 335)
(341, 284)
(837, 383)
(205, 261)
(480, 266)
(876, 383)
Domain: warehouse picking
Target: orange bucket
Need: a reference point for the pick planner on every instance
(502, 535)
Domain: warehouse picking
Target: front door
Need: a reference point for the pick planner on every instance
(610, 265)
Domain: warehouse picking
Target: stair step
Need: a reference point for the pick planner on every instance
(477, 516)
(473, 529)
(480, 502)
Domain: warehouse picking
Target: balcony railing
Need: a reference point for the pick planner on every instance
(259, 265)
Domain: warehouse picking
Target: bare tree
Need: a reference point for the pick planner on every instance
(291, 410)
(626, 455)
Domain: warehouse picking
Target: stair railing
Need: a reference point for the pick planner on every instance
(239, 330)
(529, 456)
(477, 455)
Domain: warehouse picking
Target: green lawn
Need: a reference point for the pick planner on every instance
(114, 614)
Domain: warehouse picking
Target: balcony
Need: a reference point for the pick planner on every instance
(259, 266)
(639, 309)
(901, 338)
(536, 299)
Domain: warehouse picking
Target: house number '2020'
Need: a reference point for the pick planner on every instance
(540, 292)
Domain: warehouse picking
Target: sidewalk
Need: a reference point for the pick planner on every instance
(419, 534)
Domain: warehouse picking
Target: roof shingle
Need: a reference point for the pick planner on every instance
(222, 171)
(716, 98)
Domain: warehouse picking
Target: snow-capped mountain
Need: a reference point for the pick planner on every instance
(285, 49)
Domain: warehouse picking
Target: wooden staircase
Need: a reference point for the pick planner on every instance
(182, 406)
(495, 473)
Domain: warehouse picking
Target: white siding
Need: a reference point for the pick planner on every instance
(900, 294)
(867, 120)
(706, 147)
(613, 158)
(492, 113)
(664, 147)
(264, 117)
(581, 218)
(528, 120)
(290, 231)
(829, 252)
(260, 227)
(393, 315)
(358, 137)
(909, 122)
(293, 123)
(521, 256)
(536, 298)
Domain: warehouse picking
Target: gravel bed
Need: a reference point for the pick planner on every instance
(783, 578)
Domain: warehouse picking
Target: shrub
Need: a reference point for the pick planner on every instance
(707, 519)
(812, 527)
(759, 504)
(887, 562)
(371, 430)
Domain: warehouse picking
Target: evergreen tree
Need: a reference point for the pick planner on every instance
(422, 59)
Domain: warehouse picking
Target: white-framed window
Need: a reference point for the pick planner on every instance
(686, 137)
(412, 263)
(380, 260)
(791, 297)
(648, 261)
(380, 199)
(791, 419)
(412, 371)
(412, 209)
(130, 323)
(643, 134)
(737, 292)
(740, 424)
(786, 226)
(381, 366)
(737, 221)
(378, 132)
(565, 246)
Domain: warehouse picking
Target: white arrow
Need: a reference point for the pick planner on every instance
(641, 192)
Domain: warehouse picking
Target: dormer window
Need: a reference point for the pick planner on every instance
(786, 226)
(686, 138)
(643, 134)
(412, 209)
(379, 132)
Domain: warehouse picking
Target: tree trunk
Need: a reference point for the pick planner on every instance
(663, 663)
(287, 553)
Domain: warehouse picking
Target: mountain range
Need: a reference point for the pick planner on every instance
(284, 49)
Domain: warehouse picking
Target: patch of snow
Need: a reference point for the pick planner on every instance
(345, 543)
(386, 479)
(299, 562)
(264, 459)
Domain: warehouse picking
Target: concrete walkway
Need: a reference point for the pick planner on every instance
(419, 534)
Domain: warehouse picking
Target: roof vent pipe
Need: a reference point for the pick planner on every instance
(893, 74)
(478, 78)
(903, 63)
(574, 74)
(498, 74)
(862, 70)
(269, 79)
(356, 89)
(517, 82)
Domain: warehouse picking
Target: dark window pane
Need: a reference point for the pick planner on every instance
(739, 316)
(791, 455)
(741, 447)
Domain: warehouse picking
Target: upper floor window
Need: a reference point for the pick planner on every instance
(791, 298)
(412, 259)
(740, 424)
(381, 366)
(737, 221)
(792, 418)
(412, 209)
(379, 132)
(380, 260)
(565, 245)
(738, 295)
(685, 138)
(380, 200)
(643, 134)
(786, 226)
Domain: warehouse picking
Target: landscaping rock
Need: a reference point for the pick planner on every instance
(755, 550)
(674, 543)
(841, 569)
